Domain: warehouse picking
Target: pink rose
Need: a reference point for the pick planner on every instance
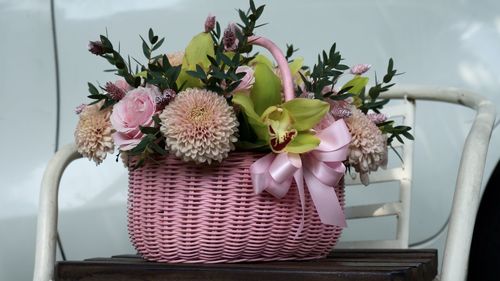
(247, 81)
(135, 109)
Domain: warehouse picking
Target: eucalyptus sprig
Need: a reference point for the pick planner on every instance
(121, 67)
(372, 101)
(221, 76)
(325, 73)
(159, 71)
(248, 25)
(152, 143)
(290, 50)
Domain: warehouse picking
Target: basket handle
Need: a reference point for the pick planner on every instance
(277, 54)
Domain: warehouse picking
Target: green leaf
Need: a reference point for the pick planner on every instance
(254, 119)
(306, 113)
(197, 51)
(302, 143)
(151, 35)
(148, 130)
(158, 149)
(145, 48)
(251, 145)
(357, 84)
(201, 46)
(296, 65)
(408, 136)
(261, 59)
(92, 89)
(266, 90)
(158, 45)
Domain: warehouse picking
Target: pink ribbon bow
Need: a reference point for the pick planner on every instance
(321, 169)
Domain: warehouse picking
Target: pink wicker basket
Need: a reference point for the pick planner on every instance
(182, 212)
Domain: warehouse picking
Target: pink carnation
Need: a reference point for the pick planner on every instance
(135, 109)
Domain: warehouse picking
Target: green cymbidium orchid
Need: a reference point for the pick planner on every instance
(196, 53)
(285, 127)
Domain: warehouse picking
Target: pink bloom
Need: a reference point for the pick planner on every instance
(114, 91)
(209, 23)
(165, 98)
(359, 69)
(123, 85)
(328, 89)
(247, 81)
(80, 108)
(135, 109)
(229, 38)
(377, 118)
(96, 48)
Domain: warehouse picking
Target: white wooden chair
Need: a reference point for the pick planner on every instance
(404, 112)
(465, 201)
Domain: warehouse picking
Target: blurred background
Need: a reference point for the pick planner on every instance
(45, 67)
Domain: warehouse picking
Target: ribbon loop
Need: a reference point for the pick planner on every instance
(320, 170)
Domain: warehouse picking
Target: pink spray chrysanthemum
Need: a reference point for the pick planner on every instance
(93, 132)
(359, 69)
(199, 126)
(368, 148)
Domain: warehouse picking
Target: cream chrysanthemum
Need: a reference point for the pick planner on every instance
(368, 148)
(199, 126)
(93, 133)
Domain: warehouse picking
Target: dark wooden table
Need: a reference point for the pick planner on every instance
(341, 265)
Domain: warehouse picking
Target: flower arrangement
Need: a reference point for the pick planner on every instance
(218, 96)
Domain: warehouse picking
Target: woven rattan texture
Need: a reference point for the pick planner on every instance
(187, 213)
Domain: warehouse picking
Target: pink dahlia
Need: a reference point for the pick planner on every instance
(93, 133)
(368, 148)
(199, 126)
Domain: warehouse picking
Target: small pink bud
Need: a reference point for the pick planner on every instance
(80, 108)
(340, 112)
(329, 89)
(164, 99)
(96, 48)
(114, 91)
(359, 69)
(377, 118)
(209, 23)
(229, 39)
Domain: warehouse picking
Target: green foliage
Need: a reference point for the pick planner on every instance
(303, 143)
(306, 113)
(266, 90)
(290, 50)
(254, 120)
(372, 102)
(325, 72)
(395, 132)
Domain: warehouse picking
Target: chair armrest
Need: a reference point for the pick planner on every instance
(470, 174)
(46, 231)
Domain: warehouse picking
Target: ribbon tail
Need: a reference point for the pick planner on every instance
(325, 200)
(299, 180)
